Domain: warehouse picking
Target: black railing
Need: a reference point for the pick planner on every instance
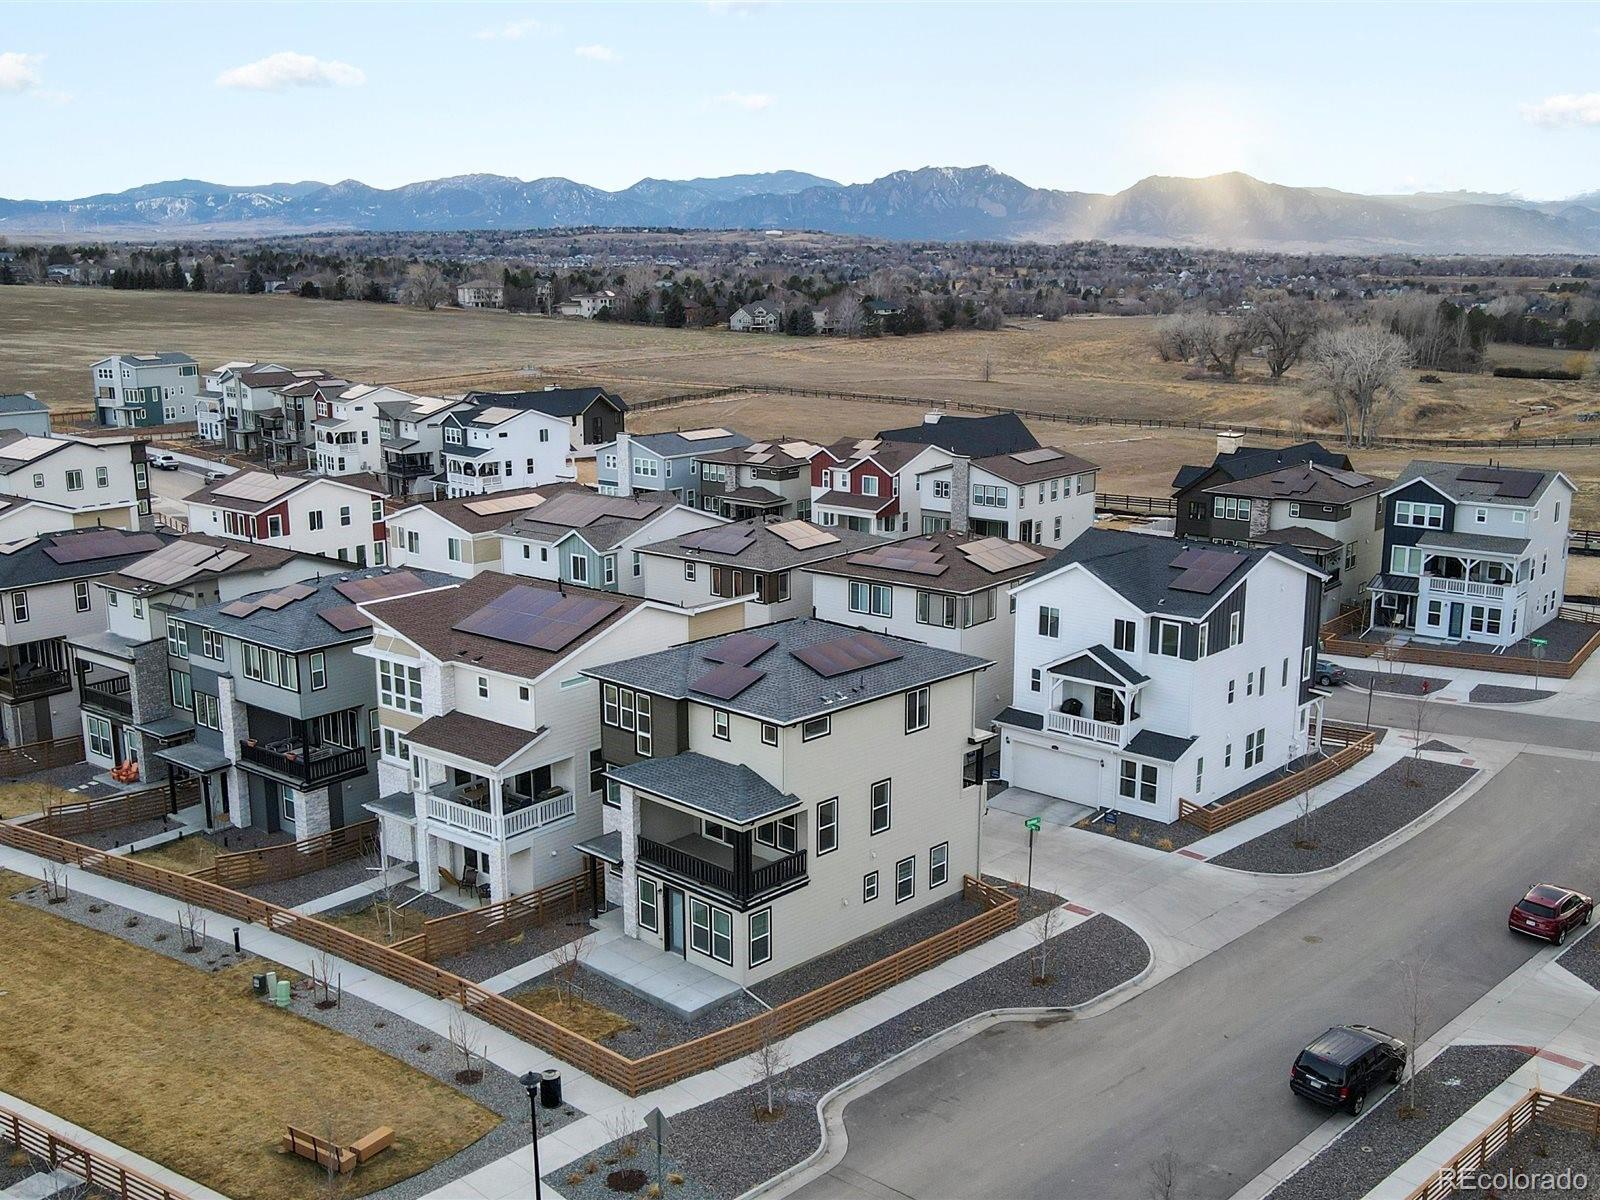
(691, 868)
(31, 684)
(322, 765)
(775, 874)
(113, 695)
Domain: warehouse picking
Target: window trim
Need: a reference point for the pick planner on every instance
(869, 887)
(939, 858)
(873, 828)
(919, 706)
(654, 925)
(751, 937)
(830, 823)
(910, 879)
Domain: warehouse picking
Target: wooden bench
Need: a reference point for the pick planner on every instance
(319, 1150)
(376, 1142)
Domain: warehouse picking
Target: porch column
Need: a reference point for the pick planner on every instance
(496, 798)
(499, 874)
(629, 826)
(427, 861)
(742, 870)
(172, 795)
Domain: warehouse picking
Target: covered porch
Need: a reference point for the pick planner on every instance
(1094, 695)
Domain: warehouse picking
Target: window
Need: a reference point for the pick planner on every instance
(1405, 560)
(648, 911)
(719, 725)
(177, 639)
(874, 598)
(880, 806)
(699, 926)
(314, 522)
(399, 686)
(1305, 662)
(638, 564)
(102, 477)
(1227, 756)
(1415, 513)
(938, 865)
(627, 709)
(688, 571)
(1481, 516)
(452, 549)
(1124, 635)
(38, 479)
(905, 880)
(525, 693)
(80, 595)
(1235, 627)
(483, 687)
(869, 484)
(395, 747)
(580, 569)
(1137, 781)
(782, 834)
(74, 481)
(1035, 680)
(138, 607)
(211, 644)
(1518, 517)
(1249, 685)
(1294, 510)
(769, 734)
(608, 569)
(711, 931)
(816, 727)
(274, 525)
(100, 736)
(1199, 774)
(1169, 637)
(112, 600)
(344, 515)
(608, 705)
(916, 710)
(19, 607)
(869, 887)
(828, 826)
(936, 608)
(1255, 748)
(319, 670)
(182, 690)
(1230, 691)
(760, 937)
(1049, 622)
(1203, 641)
(643, 737)
(1283, 680)
(207, 711)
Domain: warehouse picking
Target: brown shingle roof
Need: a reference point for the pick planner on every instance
(1309, 482)
(1012, 469)
(960, 574)
(457, 512)
(472, 737)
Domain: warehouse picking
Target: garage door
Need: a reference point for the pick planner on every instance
(1055, 773)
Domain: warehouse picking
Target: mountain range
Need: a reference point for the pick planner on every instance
(1231, 211)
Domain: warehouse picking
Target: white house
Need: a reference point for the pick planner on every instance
(758, 317)
(249, 393)
(1044, 496)
(411, 434)
(23, 412)
(481, 293)
(586, 304)
(100, 480)
(496, 445)
(160, 388)
(1152, 670)
(345, 431)
(339, 518)
(594, 416)
(461, 537)
(668, 462)
(861, 484)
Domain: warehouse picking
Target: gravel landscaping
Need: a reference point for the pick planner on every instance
(1373, 1148)
(1583, 960)
(489, 961)
(1552, 1149)
(1439, 747)
(1393, 682)
(1497, 693)
(124, 835)
(292, 893)
(723, 1151)
(1349, 824)
(1565, 639)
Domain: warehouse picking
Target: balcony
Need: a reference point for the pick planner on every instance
(695, 860)
(24, 681)
(1104, 733)
(467, 809)
(289, 760)
(405, 468)
(1468, 587)
(112, 696)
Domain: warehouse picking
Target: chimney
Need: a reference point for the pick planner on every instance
(931, 418)
(960, 492)
(624, 463)
(1229, 441)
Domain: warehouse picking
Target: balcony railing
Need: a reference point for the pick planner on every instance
(690, 867)
(32, 683)
(1467, 587)
(114, 695)
(528, 816)
(323, 764)
(1104, 732)
(408, 470)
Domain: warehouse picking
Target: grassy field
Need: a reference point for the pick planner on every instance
(187, 1069)
(23, 799)
(371, 921)
(187, 855)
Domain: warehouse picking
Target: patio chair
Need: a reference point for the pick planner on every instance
(469, 880)
(448, 876)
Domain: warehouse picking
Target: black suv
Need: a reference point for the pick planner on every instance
(1340, 1066)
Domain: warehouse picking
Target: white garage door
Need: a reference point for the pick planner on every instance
(1055, 773)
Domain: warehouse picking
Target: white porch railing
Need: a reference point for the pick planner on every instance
(546, 812)
(483, 822)
(1103, 732)
(1467, 587)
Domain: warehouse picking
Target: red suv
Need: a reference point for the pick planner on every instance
(1548, 912)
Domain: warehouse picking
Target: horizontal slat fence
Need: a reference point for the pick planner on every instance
(271, 864)
(632, 1076)
(1536, 1107)
(1333, 642)
(28, 757)
(1153, 506)
(462, 932)
(64, 1154)
(108, 812)
(1355, 744)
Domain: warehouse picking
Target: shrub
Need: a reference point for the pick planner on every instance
(1537, 373)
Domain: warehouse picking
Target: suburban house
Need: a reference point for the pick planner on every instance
(23, 412)
(1472, 554)
(346, 439)
(759, 560)
(100, 481)
(666, 462)
(1235, 461)
(248, 392)
(951, 590)
(481, 293)
(1044, 496)
(315, 514)
(856, 484)
(972, 437)
(593, 415)
(286, 432)
(776, 793)
(285, 715)
(586, 304)
(133, 702)
(759, 317)
(490, 764)
(501, 442)
(49, 602)
(461, 537)
(1332, 516)
(1150, 670)
(581, 537)
(145, 389)
(763, 479)
(411, 435)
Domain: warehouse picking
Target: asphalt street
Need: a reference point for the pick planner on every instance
(1198, 1065)
(1442, 720)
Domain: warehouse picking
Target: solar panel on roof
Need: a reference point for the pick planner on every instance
(740, 649)
(500, 504)
(240, 608)
(902, 556)
(854, 652)
(727, 681)
(760, 458)
(256, 485)
(701, 435)
(1042, 454)
(802, 535)
(1203, 577)
(721, 539)
(102, 543)
(1188, 557)
(537, 617)
(378, 587)
(347, 618)
(286, 596)
(494, 416)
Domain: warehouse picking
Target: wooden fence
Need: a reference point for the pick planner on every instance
(1354, 744)
(1137, 506)
(1534, 1107)
(632, 1076)
(269, 864)
(1468, 660)
(63, 1154)
(459, 933)
(28, 757)
(90, 816)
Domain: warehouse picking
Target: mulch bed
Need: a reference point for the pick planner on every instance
(1393, 682)
(1552, 1149)
(1373, 1148)
(1496, 693)
(1352, 822)
(1583, 960)
(724, 1151)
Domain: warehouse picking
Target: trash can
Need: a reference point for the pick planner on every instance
(550, 1088)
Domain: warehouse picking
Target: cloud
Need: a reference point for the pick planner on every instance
(1570, 108)
(749, 101)
(513, 31)
(596, 53)
(286, 69)
(20, 72)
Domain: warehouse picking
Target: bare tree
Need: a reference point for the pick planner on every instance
(1416, 737)
(191, 928)
(1219, 342)
(1177, 337)
(1283, 328)
(55, 883)
(468, 1047)
(1413, 977)
(1304, 804)
(770, 1060)
(1045, 929)
(425, 287)
(847, 317)
(1361, 369)
(1164, 1172)
(568, 957)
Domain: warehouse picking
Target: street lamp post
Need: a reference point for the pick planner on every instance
(530, 1083)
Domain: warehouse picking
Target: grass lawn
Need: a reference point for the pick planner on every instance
(372, 922)
(188, 1069)
(187, 856)
(574, 1013)
(21, 799)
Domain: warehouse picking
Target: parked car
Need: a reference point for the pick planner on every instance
(215, 475)
(1548, 912)
(162, 461)
(1344, 1064)
(1329, 674)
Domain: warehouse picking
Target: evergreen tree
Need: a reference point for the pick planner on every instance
(672, 313)
(255, 285)
(310, 291)
(373, 294)
(805, 323)
(197, 281)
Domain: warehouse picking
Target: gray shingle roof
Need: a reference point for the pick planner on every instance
(298, 625)
(154, 358)
(1446, 476)
(1258, 460)
(1147, 743)
(961, 575)
(32, 564)
(20, 402)
(607, 847)
(729, 791)
(975, 437)
(673, 445)
(1484, 542)
(556, 402)
(1099, 665)
(788, 690)
(1020, 718)
(768, 552)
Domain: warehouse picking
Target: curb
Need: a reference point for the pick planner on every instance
(835, 1140)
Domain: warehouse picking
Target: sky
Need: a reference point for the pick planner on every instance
(1381, 98)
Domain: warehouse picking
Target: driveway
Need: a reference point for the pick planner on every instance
(1198, 1064)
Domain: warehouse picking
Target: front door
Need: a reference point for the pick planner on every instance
(1025, 534)
(675, 918)
(1455, 619)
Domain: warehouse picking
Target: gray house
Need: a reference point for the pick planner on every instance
(26, 413)
(670, 462)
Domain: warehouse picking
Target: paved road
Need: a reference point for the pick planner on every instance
(1199, 1064)
(1442, 720)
